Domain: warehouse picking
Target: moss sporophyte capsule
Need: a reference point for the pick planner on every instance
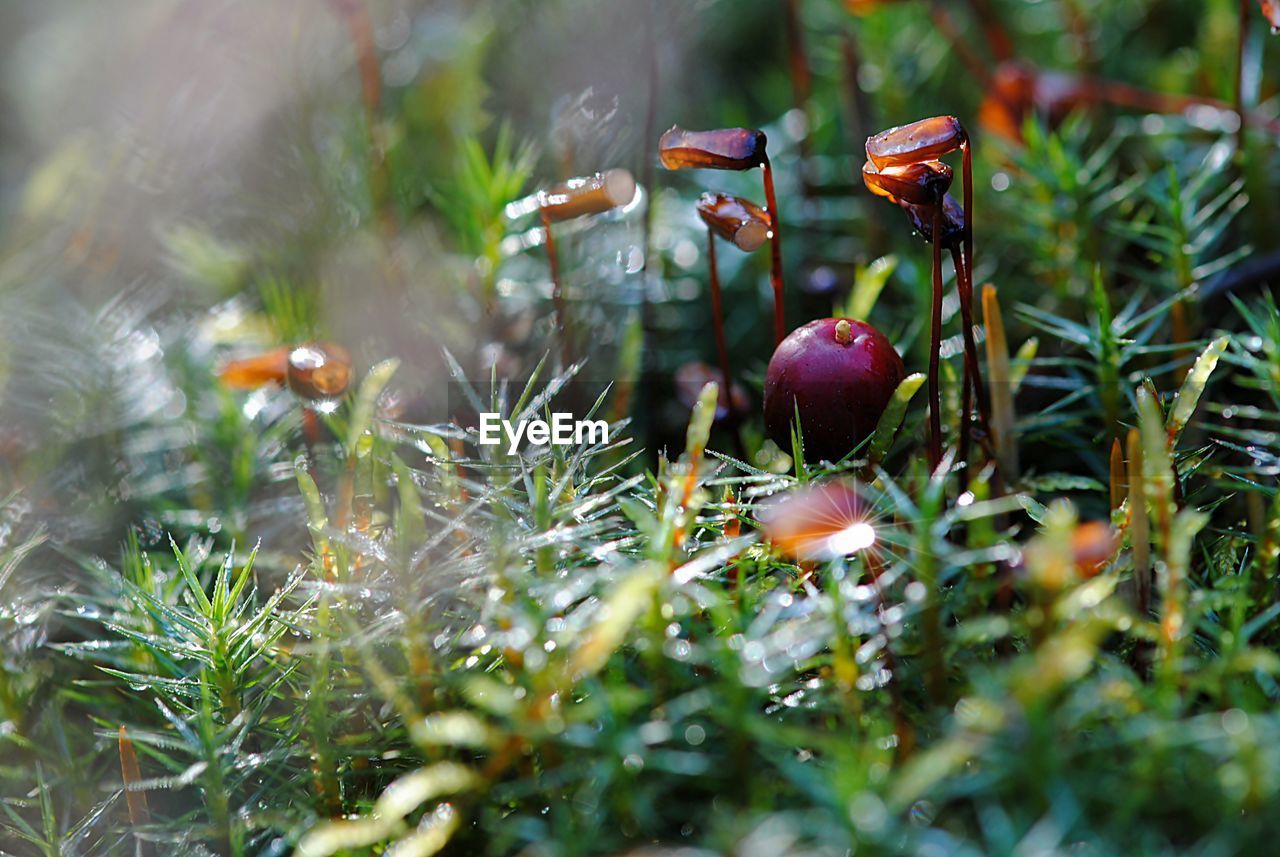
(313, 371)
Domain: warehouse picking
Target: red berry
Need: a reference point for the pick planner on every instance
(839, 374)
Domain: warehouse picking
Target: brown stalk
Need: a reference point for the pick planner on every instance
(355, 17)
(135, 798)
(935, 345)
(1242, 37)
(858, 109)
(646, 171)
(1078, 24)
(801, 76)
(717, 313)
(1002, 412)
(1139, 526)
(1117, 475)
(998, 40)
(557, 295)
(577, 197)
(735, 149)
(775, 255)
(902, 166)
(975, 64)
(966, 406)
(964, 286)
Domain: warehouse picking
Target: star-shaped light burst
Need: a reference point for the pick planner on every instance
(820, 522)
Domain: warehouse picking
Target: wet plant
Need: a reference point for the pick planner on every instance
(734, 149)
(230, 628)
(578, 197)
(746, 226)
(318, 373)
(902, 166)
(1016, 88)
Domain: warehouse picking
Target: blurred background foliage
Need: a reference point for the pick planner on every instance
(232, 624)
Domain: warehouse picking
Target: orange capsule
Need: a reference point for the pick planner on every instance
(927, 139)
(736, 220)
(593, 194)
(1093, 543)
(920, 183)
(821, 521)
(250, 373)
(319, 370)
(721, 149)
(315, 370)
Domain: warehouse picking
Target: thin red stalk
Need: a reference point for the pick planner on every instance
(967, 167)
(775, 255)
(935, 345)
(972, 369)
(135, 798)
(978, 394)
(998, 40)
(360, 30)
(646, 168)
(858, 105)
(971, 374)
(974, 63)
(717, 313)
(965, 288)
(966, 405)
(310, 438)
(1136, 98)
(1242, 36)
(1079, 26)
(801, 76)
(557, 296)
